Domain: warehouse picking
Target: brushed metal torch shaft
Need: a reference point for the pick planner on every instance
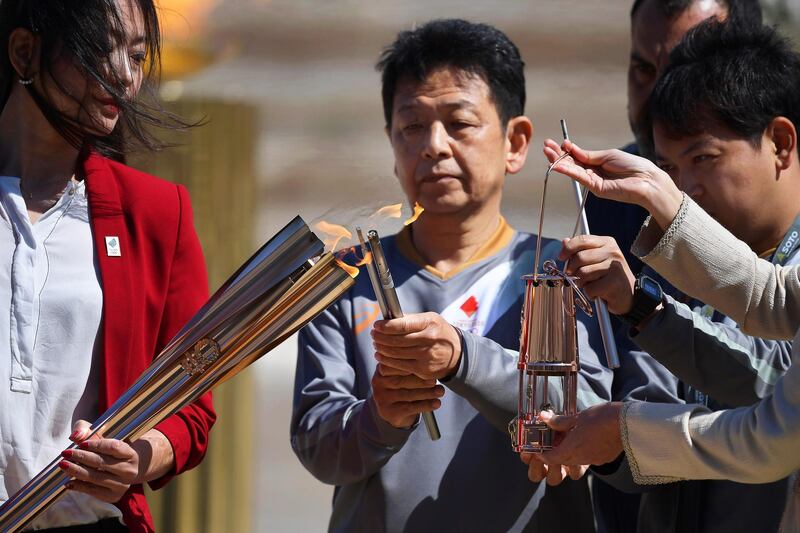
(385, 287)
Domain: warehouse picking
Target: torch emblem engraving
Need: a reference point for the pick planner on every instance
(200, 356)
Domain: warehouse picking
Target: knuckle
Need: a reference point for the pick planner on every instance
(415, 395)
(382, 410)
(405, 409)
(536, 473)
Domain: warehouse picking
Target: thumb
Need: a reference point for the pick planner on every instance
(411, 323)
(558, 422)
(81, 430)
(526, 457)
(563, 254)
(587, 157)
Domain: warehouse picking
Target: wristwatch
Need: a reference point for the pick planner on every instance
(647, 294)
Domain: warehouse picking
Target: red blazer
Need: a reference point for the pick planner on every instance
(149, 292)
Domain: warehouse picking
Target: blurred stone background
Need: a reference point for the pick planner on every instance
(295, 126)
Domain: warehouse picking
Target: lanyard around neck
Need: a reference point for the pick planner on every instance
(789, 244)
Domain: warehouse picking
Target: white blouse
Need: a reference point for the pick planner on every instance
(49, 342)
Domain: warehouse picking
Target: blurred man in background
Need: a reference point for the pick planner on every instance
(657, 26)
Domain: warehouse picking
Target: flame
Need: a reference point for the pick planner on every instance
(418, 209)
(351, 269)
(332, 236)
(388, 211)
(333, 233)
(367, 259)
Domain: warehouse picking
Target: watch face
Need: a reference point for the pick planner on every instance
(651, 288)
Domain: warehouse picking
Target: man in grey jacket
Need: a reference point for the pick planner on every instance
(454, 95)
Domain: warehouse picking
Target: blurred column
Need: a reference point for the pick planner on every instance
(215, 162)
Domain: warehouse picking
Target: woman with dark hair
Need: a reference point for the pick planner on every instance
(99, 264)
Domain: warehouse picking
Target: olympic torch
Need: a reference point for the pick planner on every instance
(287, 283)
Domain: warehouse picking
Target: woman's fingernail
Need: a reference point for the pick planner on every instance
(63, 465)
(66, 453)
(84, 444)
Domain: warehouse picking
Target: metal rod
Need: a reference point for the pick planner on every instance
(582, 222)
(564, 131)
(373, 274)
(383, 284)
(603, 318)
(384, 275)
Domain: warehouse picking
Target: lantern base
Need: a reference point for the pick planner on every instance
(530, 436)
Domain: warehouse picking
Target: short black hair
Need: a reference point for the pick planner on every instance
(744, 11)
(479, 49)
(739, 77)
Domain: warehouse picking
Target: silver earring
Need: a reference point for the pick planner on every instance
(28, 81)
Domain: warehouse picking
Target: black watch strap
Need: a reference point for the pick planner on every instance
(647, 294)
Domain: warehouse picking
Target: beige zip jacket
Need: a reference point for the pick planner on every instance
(754, 444)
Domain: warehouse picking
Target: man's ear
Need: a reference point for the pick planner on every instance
(783, 136)
(519, 133)
(23, 52)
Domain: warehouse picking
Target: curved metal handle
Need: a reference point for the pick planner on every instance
(544, 197)
(581, 300)
(541, 214)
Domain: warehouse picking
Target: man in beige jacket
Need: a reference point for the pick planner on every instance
(665, 443)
